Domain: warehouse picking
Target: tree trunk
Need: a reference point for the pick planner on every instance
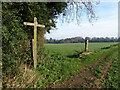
(41, 33)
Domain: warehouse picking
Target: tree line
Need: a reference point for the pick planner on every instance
(82, 40)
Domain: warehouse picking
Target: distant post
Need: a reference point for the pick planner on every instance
(86, 45)
(34, 41)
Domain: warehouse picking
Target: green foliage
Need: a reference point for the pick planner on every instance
(16, 37)
(15, 33)
(15, 45)
(112, 80)
(46, 12)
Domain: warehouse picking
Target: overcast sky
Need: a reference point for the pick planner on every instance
(105, 26)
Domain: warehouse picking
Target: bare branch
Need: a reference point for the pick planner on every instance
(74, 10)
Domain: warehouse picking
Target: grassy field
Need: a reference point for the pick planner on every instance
(56, 69)
(69, 49)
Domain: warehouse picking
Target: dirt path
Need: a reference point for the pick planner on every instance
(103, 74)
(86, 78)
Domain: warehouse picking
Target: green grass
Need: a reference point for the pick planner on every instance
(57, 67)
(112, 80)
(69, 49)
(54, 66)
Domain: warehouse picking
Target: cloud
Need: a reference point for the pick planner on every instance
(101, 29)
(106, 26)
(109, 0)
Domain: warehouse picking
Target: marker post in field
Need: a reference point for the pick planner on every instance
(86, 45)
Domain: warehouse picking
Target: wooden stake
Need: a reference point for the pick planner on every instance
(33, 47)
(35, 42)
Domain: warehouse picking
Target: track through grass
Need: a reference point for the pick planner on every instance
(57, 68)
(86, 79)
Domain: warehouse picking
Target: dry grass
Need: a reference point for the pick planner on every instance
(27, 78)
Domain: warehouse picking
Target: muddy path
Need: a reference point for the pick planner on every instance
(86, 78)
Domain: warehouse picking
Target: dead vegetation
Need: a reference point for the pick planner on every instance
(26, 78)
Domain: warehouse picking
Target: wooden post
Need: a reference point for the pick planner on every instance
(86, 45)
(33, 49)
(41, 34)
(34, 42)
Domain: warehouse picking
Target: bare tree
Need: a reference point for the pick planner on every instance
(75, 10)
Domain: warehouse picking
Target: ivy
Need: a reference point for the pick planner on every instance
(16, 37)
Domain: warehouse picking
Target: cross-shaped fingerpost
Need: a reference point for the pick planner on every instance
(34, 41)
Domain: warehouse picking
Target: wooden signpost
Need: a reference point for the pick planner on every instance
(34, 41)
